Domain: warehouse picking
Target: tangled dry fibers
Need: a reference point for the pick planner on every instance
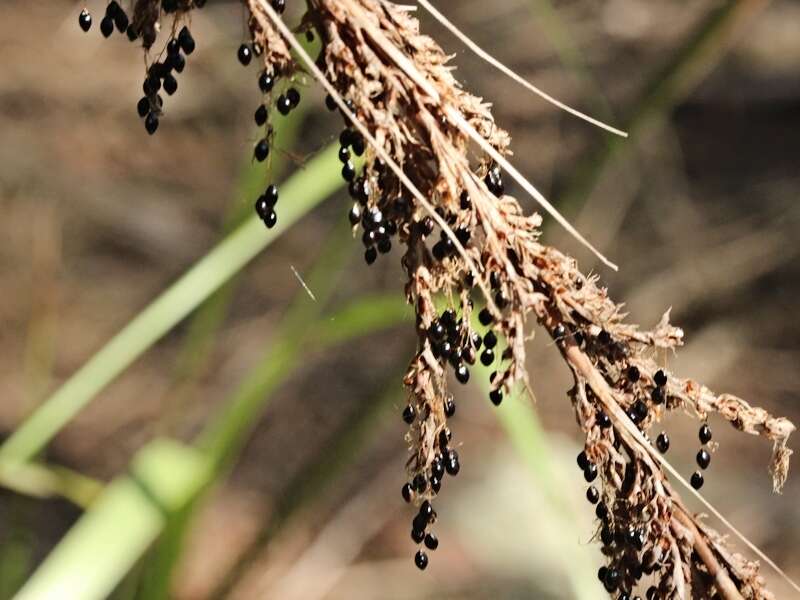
(435, 159)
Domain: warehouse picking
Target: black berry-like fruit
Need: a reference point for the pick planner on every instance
(279, 5)
(633, 374)
(283, 105)
(370, 255)
(271, 194)
(704, 434)
(344, 154)
(406, 492)
(417, 535)
(261, 150)
(601, 511)
(660, 378)
(121, 21)
(603, 420)
(261, 115)
(358, 145)
(355, 214)
(485, 317)
(462, 373)
(107, 26)
(658, 395)
(330, 103)
(419, 484)
(611, 580)
(244, 54)
(592, 495)
(431, 542)
(662, 442)
(582, 460)
(449, 407)
(697, 480)
(703, 458)
(409, 414)
(293, 96)
(151, 123)
(640, 410)
(590, 473)
(426, 510)
(421, 560)
(496, 396)
(263, 207)
(143, 107)
(113, 9)
(85, 20)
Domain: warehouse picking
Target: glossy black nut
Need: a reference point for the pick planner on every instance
(697, 480)
(462, 373)
(421, 560)
(409, 414)
(266, 81)
(348, 171)
(284, 105)
(590, 473)
(640, 410)
(85, 20)
(261, 150)
(279, 6)
(449, 407)
(186, 40)
(703, 458)
(406, 492)
(633, 374)
(451, 465)
(370, 255)
(485, 317)
(344, 154)
(496, 396)
(170, 84)
(582, 460)
(417, 535)
(658, 395)
(271, 219)
(490, 339)
(330, 103)
(603, 420)
(151, 123)
(487, 357)
(436, 484)
(293, 96)
(384, 245)
(418, 483)
(143, 107)
(660, 378)
(611, 580)
(592, 495)
(431, 542)
(601, 511)
(260, 115)
(662, 442)
(704, 434)
(107, 26)
(426, 511)
(244, 54)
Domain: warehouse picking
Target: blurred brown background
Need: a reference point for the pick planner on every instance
(699, 209)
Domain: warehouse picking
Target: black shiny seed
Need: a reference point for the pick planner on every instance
(173, 47)
(358, 145)
(703, 458)
(409, 414)
(85, 20)
(143, 107)
(419, 484)
(633, 374)
(449, 407)
(426, 510)
(496, 396)
(601, 572)
(406, 492)
(293, 96)
(370, 255)
(261, 150)
(348, 171)
(421, 560)
(451, 465)
(606, 536)
(485, 317)
(151, 123)
(170, 84)
(417, 535)
(436, 331)
(279, 6)
(490, 339)
(611, 580)
(601, 511)
(462, 373)
(592, 495)
(590, 473)
(582, 460)
(662, 442)
(260, 115)
(437, 467)
(384, 245)
(355, 214)
(177, 63)
(244, 54)
(266, 82)
(431, 542)
(487, 357)
(704, 434)
(660, 378)
(271, 219)
(436, 484)
(603, 420)
(330, 103)
(263, 207)
(283, 104)
(344, 154)
(658, 395)
(640, 410)
(113, 9)
(186, 40)
(346, 137)
(466, 202)
(697, 480)
(107, 26)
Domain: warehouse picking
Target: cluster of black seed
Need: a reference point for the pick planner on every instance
(452, 341)
(446, 461)
(160, 74)
(265, 206)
